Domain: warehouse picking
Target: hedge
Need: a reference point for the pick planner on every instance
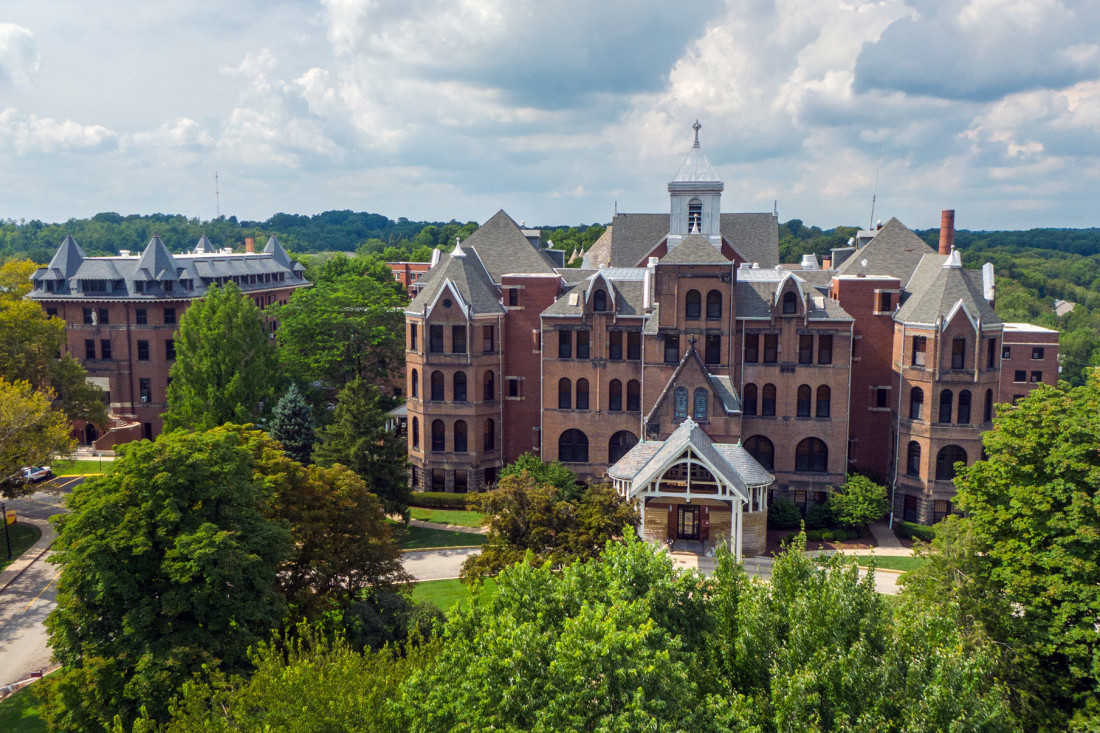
(437, 500)
(912, 530)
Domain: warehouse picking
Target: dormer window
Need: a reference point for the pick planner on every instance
(139, 286)
(599, 301)
(695, 216)
(790, 303)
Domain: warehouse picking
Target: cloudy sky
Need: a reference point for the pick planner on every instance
(553, 110)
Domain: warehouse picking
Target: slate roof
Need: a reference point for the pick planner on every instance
(627, 297)
(500, 244)
(725, 391)
(755, 298)
(275, 249)
(694, 249)
(895, 251)
(695, 167)
(935, 290)
(465, 271)
(155, 268)
(599, 254)
(754, 236)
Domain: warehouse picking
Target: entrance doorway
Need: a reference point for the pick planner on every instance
(90, 434)
(687, 522)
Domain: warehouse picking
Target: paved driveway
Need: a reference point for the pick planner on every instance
(437, 564)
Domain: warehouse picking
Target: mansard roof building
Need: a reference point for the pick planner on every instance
(121, 314)
(684, 364)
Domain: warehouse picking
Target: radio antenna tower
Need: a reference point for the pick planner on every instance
(878, 165)
(217, 195)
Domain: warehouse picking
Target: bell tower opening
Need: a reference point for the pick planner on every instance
(695, 199)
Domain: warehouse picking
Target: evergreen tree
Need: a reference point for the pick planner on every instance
(292, 425)
(226, 368)
(358, 439)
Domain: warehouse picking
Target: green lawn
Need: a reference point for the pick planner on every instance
(903, 563)
(447, 516)
(22, 537)
(444, 594)
(18, 714)
(420, 538)
(79, 468)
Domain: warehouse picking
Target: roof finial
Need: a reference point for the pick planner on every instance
(696, 127)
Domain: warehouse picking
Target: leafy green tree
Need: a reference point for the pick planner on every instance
(226, 369)
(526, 516)
(554, 473)
(168, 563)
(358, 439)
(292, 425)
(784, 514)
(31, 433)
(859, 502)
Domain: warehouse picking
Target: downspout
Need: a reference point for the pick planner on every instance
(848, 419)
(542, 453)
(897, 428)
(503, 386)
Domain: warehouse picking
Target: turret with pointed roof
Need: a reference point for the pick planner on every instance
(68, 258)
(156, 262)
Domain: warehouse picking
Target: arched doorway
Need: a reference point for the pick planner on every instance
(91, 434)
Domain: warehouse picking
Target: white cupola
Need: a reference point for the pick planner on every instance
(696, 199)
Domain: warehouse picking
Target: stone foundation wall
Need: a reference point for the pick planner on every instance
(754, 532)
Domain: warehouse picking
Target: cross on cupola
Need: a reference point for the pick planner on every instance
(697, 127)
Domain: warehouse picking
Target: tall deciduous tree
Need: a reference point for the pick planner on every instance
(226, 369)
(292, 425)
(859, 502)
(358, 439)
(31, 432)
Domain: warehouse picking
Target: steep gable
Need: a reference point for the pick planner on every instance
(504, 249)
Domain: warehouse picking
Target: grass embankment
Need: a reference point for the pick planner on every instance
(423, 538)
(444, 594)
(81, 468)
(447, 516)
(904, 563)
(19, 714)
(22, 537)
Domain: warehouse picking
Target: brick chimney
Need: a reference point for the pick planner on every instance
(947, 231)
(250, 245)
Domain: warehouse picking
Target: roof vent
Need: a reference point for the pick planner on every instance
(124, 253)
(809, 262)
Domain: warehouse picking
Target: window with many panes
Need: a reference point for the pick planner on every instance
(825, 349)
(105, 348)
(143, 350)
(920, 348)
(582, 344)
(633, 345)
(141, 317)
(458, 339)
(169, 316)
(958, 353)
(672, 348)
(615, 345)
(713, 354)
(805, 349)
(89, 348)
(435, 339)
(752, 348)
(565, 344)
(771, 348)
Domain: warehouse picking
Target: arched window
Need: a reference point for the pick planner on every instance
(565, 394)
(714, 305)
(415, 380)
(460, 436)
(790, 303)
(946, 400)
(633, 396)
(699, 404)
(573, 447)
(460, 386)
(804, 400)
(767, 402)
(416, 432)
(748, 405)
(679, 403)
(488, 387)
(811, 455)
(437, 387)
(916, 403)
(963, 415)
(912, 459)
(693, 308)
(439, 442)
(987, 414)
(762, 450)
(946, 459)
(615, 396)
(620, 444)
(824, 401)
(599, 300)
(490, 434)
(695, 216)
(582, 394)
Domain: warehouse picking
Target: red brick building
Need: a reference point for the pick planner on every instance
(121, 315)
(408, 273)
(685, 365)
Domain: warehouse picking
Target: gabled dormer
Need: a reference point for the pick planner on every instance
(790, 299)
(695, 198)
(599, 295)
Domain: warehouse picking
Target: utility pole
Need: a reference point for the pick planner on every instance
(7, 535)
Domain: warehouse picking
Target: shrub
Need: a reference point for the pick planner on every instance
(912, 530)
(859, 502)
(819, 516)
(437, 500)
(839, 535)
(814, 535)
(826, 535)
(784, 514)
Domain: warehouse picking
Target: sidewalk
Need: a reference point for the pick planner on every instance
(33, 553)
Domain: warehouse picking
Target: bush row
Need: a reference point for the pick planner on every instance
(912, 530)
(437, 500)
(830, 535)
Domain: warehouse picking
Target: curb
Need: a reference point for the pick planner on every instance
(438, 549)
(12, 573)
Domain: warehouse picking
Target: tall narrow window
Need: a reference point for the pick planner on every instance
(414, 380)
(916, 403)
(633, 396)
(460, 436)
(748, 405)
(145, 389)
(169, 315)
(804, 400)
(693, 305)
(565, 394)
(599, 301)
(488, 387)
(615, 396)
(920, 345)
(143, 350)
(946, 400)
(490, 440)
(771, 348)
(488, 339)
(825, 349)
(699, 404)
(991, 354)
(582, 394)
(633, 345)
(767, 402)
(963, 415)
(790, 303)
(958, 353)
(460, 387)
(416, 432)
(439, 441)
(912, 459)
(565, 344)
(412, 337)
(458, 339)
(169, 349)
(805, 349)
(714, 349)
(752, 348)
(679, 403)
(436, 338)
(824, 401)
(437, 387)
(695, 216)
(987, 413)
(89, 349)
(582, 344)
(714, 305)
(105, 349)
(672, 348)
(615, 345)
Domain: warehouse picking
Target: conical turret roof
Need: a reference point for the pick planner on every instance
(157, 261)
(68, 257)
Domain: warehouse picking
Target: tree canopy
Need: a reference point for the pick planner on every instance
(31, 432)
(292, 425)
(226, 368)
